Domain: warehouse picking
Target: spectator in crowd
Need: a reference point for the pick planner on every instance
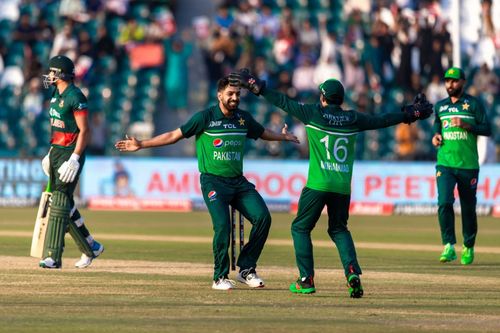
(407, 138)
(98, 134)
(33, 101)
(133, 32)
(178, 52)
(65, 43)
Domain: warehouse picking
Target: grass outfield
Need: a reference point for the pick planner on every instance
(155, 276)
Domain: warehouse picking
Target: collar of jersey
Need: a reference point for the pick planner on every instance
(219, 115)
(66, 91)
(460, 100)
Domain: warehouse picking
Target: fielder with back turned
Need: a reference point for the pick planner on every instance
(332, 132)
(460, 118)
(63, 164)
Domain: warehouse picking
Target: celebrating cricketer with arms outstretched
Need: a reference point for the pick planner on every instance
(221, 132)
(63, 164)
(332, 132)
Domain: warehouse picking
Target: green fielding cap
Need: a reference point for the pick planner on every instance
(454, 73)
(333, 90)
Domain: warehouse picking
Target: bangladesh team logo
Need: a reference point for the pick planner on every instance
(446, 123)
(218, 143)
(212, 195)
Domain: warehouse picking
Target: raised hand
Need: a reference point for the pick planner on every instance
(129, 144)
(420, 109)
(244, 79)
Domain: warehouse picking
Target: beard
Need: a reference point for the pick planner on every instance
(231, 104)
(454, 92)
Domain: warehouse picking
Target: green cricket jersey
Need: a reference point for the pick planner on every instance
(459, 147)
(220, 141)
(331, 132)
(63, 108)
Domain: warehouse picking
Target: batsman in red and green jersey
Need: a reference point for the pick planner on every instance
(63, 165)
(221, 132)
(331, 133)
(460, 118)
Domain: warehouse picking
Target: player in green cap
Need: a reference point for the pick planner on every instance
(221, 132)
(63, 164)
(332, 132)
(460, 118)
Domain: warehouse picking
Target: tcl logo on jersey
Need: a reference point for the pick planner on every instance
(212, 195)
(221, 143)
(446, 123)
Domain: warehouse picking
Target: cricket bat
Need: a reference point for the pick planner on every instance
(41, 223)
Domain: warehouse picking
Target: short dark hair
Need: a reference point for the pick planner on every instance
(222, 83)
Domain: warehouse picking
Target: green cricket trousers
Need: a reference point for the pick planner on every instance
(219, 193)
(466, 182)
(311, 204)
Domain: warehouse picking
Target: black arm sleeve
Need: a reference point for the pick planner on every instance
(437, 121)
(366, 122)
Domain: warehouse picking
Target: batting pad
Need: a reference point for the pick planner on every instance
(58, 222)
(81, 241)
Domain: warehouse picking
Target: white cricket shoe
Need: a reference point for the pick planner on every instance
(85, 261)
(49, 263)
(223, 284)
(250, 278)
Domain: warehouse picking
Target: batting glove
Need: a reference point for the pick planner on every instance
(246, 80)
(69, 169)
(46, 165)
(420, 109)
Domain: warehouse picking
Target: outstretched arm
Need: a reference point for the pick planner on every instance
(368, 122)
(245, 79)
(132, 144)
(269, 135)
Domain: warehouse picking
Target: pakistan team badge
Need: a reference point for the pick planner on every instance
(61, 104)
(242, 121)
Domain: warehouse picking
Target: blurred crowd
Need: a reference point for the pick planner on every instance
(133, 62)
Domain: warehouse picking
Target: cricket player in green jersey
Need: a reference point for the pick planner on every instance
(221, 132)
(459, 119)
(63, 164)
(331, 133)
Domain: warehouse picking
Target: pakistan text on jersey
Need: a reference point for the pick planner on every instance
(334, 166)
(57, 123)
(455, 135)
(227, 156)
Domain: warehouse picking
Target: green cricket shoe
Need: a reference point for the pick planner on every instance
(303, 285)
(467, 255)
(448, 254)
(354, 285)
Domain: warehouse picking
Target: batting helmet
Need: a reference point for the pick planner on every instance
(60, 68)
